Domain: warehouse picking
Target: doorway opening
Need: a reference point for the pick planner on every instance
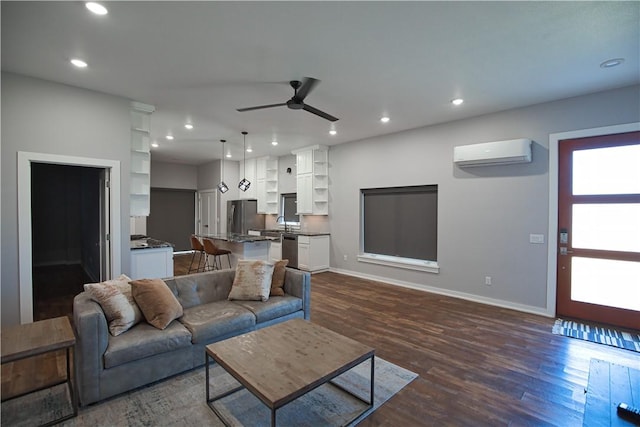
(207, 219)
(68, 229)
(172, 216)
(32, 226)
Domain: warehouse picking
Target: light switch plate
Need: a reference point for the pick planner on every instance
(536, 238)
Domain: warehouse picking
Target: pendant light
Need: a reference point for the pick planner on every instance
(222, 187)
(245, 183)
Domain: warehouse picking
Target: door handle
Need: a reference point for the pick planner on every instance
(565, 251)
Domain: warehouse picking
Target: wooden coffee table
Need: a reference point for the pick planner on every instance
(301, 357)
(33, 339)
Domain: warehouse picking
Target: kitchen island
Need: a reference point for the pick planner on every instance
(242, 246)
(150, 258)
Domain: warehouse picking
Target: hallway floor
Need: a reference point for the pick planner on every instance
(54, 288)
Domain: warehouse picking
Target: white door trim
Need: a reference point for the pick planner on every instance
(24, 218)
(552, 254)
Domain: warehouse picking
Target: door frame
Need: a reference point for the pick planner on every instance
(25, 260)
(552, 233)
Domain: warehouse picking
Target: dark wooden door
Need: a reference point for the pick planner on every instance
(599, 229)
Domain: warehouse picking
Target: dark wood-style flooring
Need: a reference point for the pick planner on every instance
(478, 365)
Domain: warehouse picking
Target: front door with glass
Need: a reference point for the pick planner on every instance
(599, 229)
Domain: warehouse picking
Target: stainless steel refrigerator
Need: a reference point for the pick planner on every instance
(242, 215)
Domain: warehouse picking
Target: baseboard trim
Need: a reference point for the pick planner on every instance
(541, 311)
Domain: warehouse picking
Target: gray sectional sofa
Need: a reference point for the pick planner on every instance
(107, 365)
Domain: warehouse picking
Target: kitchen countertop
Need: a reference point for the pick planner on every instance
(235, 238)
(142, 242)
(297, 232)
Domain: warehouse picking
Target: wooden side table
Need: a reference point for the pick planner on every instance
(33, 339)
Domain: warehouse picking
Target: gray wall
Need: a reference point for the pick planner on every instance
(45, 117)
(485, 214)
(287, 181)
(172, 175)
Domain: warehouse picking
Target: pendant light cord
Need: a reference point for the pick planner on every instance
(244, 154)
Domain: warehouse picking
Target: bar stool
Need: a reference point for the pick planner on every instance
(210, 248)
(197, 247)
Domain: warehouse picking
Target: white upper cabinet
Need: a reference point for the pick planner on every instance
(304, 161)
(313, 180)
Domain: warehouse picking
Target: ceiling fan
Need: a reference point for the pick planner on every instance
(301, 90)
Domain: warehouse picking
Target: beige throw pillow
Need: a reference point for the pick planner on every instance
(156, 301)
(252, 281)
(277, 281)
(114, 296)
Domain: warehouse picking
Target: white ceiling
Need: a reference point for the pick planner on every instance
(199, 61)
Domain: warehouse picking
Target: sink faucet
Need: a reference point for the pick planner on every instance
(284, 221)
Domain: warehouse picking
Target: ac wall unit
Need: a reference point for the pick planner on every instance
(493, 153)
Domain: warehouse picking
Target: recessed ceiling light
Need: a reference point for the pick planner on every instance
(457, 101)
(169, 137)
(229, 155)
(78, 63)
(154, 145)
(609, 63)
(274, 142)
(188, 126)
(384, 119)
(332, 132)
(249, 150)
(96, 8)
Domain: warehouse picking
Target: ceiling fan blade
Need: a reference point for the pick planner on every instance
(319, 113)
(260, 107)
(307, 86)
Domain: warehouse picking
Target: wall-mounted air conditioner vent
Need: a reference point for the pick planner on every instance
(493, 153)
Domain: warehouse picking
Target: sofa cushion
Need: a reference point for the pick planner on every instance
(156, 301)
(207, 322)
(272, 309)
(202, 288)
(277, 280)
(114, 296)
(252, 281)
(144, 340)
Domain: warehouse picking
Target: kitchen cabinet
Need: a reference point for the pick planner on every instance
(304, 187)
(304, 161)
(152, 263)
(312, 180)
(313, 253)
(140, 170)
(275, 251)
(267, 185)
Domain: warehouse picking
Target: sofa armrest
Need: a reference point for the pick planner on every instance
(298, 284)
(92, 338)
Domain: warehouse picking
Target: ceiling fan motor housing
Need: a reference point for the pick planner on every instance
(294, 104)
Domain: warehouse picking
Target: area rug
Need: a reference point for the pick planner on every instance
(180, 401)
(597, 334)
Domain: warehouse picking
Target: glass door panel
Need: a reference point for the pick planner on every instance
(606, 282)
(606, 170)
(612, 227)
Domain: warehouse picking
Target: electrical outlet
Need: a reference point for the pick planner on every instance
(487, 280)
(345, 257)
